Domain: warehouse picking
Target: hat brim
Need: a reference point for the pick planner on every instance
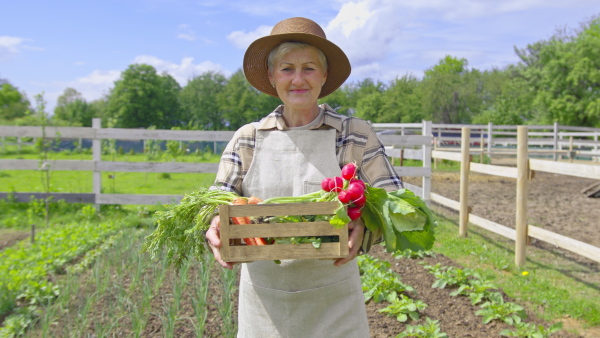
(257, 72)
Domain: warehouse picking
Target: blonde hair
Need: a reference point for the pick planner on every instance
(280, 51)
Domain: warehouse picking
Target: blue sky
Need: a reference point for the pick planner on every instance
(47, 46)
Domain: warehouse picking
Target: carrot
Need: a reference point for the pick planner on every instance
(256, 200)
(242, 220)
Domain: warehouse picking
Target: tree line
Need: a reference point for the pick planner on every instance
(555, 80)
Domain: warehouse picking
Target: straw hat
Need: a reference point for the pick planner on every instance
(300, 30)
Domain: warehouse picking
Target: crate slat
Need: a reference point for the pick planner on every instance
(284, 230)
(286, 251)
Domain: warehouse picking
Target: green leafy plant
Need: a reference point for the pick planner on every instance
(431, 329)
(403, 307)
(477, 290)
(497, 309)
(413, 254)
(530, 330)
(379, 283)
(450, 276)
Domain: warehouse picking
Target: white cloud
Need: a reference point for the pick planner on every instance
(186, 33)
(242, 39)
(10, 46)
(365, 30)
(181, 72)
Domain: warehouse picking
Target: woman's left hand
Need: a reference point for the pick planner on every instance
(355, 238)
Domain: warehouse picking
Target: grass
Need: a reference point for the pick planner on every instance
(550, 284)
(112, 182)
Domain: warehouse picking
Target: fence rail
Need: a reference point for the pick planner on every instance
(414, 143)
(525, 168)
(500, 140)
(97, 165)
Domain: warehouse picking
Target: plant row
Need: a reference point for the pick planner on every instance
(381, 284)
(27, 269)
(484, 293)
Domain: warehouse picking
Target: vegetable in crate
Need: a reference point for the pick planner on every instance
(180, 229)
(404, 219)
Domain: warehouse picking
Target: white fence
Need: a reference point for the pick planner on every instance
(97, 165)
(413, 141)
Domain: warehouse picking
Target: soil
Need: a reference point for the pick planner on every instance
(9, 237)
(554, 202)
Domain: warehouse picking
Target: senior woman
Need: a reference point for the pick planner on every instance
(288, 153)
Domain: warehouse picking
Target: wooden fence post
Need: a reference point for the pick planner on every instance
(522, 191)
(481, 145)
(464, 181)
(555, 138)
(596, 158)
(489, 141)
(97, 157)
(426, 162)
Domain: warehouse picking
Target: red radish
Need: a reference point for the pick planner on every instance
(349, 171)
(325, 184)
(356, 190)
(360, 202)
(336, 184)
(354, 212)
(359, 182)
(344, 196)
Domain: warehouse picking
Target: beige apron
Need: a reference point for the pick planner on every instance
(297, 298)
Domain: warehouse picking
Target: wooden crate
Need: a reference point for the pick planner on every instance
(232, 249)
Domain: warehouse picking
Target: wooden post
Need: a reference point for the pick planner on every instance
(426, 162)
(97, 157)
(571, 149)
(19, 145)
(489, 141)
(522, 192)
(596, 158)
(435, 160)
(481, 142)
(555, 138)
(464, 181)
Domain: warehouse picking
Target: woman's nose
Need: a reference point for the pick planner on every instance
(298, 78)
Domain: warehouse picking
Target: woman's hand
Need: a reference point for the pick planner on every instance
(213, 237)
(357, 232)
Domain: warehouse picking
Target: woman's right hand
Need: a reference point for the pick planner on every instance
(213, 237)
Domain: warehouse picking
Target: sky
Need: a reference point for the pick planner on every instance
(48, 46)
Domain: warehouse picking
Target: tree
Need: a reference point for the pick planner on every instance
(402, 101)
(564, 71)
(13, 104)
(199, 101)
(142, 98)
(238, 101)
(72, 108)
(450, 91)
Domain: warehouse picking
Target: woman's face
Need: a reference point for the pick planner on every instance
(298, 77)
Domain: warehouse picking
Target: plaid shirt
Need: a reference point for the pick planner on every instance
(355, 141)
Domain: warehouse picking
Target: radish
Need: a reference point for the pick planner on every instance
(349, 171)
(356, 180)
(336, 184)
(344, 196)
(354, 212)
(360, 202)
(325, 184)
(356, 190)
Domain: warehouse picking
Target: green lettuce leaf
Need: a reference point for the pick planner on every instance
(404, 219)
